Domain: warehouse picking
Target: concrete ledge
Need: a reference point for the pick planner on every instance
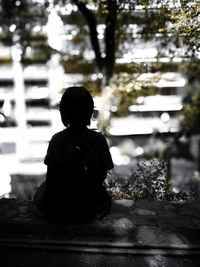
(141, 233)
(141, 223)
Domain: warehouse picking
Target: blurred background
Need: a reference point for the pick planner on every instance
(138, 58)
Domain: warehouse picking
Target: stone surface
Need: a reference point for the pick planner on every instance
(130, 225)
(126, 221)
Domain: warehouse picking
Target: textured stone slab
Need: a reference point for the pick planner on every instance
(137, 222)
(144, 212)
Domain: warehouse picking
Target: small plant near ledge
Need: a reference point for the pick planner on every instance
(148, 181)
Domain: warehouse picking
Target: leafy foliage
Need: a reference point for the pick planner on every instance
(126, 90)
(18, 19)
(186, 26)
(149, 181)
(191, 113)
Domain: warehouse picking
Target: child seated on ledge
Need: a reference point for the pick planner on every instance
(77, 160)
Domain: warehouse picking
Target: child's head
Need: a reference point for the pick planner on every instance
(76, 106)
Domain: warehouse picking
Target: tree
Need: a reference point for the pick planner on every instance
(170, 25)
(106, 12)
(18, 18)
(125, 23)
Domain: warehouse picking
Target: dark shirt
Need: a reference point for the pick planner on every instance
(59, 184)
(83, 137)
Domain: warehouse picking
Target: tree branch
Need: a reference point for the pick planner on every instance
(92, 24)
(110, 38)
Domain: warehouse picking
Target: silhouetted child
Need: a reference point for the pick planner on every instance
(77, 160)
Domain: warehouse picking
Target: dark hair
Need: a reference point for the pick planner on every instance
(76, 106)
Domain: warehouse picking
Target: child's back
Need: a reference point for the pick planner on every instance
(77, 163)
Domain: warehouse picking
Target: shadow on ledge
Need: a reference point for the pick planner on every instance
(140, 233)
(139, 222)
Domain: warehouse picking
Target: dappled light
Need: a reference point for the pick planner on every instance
(100, 133)
(138, 59)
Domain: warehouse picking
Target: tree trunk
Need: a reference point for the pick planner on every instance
(105, 64)
(92, 24)
(110, 40)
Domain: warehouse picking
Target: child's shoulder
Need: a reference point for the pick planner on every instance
(94, 132)
(89, 133)
(59, 135)
(96, 135)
